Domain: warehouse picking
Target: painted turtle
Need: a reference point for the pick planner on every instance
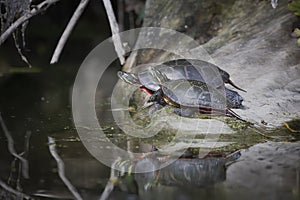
(192, 96)
(150, 80)
(189, 69)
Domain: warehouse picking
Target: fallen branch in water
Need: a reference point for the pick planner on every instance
(11, 149)
(61, 169)
(111, 182)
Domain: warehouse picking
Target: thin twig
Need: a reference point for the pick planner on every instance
(26, 143)
(11, 148)
(63, 39)
(36, 10)
(111, 182)
(23, 57)
(13, 163)
(61, 168)
(24, 154)
(115, 31)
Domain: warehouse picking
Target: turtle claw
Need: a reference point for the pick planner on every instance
(231, 113)
(243, 107)
(147, 105)
(152, 98)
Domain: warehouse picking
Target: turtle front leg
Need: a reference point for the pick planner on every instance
(157, 98)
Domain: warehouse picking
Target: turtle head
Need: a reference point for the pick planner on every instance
(129, 78)
(225, 76)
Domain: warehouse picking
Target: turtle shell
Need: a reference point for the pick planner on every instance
(185, 69)
(191, 93)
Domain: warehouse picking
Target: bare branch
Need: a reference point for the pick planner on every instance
(115, 31)
(38, 9)
(62, 41)
(11, 148)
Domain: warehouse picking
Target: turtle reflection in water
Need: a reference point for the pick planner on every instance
(181, 83)
(183, 172)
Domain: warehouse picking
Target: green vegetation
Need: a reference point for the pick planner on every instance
(296, 34)
(295, 7)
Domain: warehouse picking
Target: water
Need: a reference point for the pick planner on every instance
(35, 108)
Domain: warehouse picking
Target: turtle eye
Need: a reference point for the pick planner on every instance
(120, 74)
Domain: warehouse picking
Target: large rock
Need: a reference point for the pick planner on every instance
(250, 40)
(257, 50)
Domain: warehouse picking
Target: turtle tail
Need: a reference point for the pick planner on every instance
(231, 83)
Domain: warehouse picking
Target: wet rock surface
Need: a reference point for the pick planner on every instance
(266, 171)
